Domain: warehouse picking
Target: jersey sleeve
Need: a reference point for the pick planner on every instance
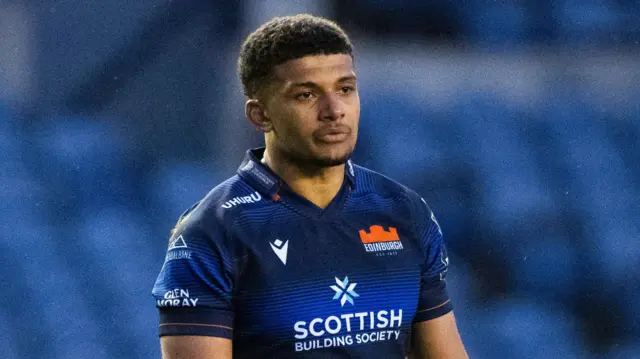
(193, 291)
(434, 300)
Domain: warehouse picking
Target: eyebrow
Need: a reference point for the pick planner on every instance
(347, 78)
(313, 84)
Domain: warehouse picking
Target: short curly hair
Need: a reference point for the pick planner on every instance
(287, 38)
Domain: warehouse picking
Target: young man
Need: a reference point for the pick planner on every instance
(303, 254)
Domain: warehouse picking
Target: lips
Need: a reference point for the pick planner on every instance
(333, 134)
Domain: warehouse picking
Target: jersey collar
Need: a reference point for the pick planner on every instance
(261, 177)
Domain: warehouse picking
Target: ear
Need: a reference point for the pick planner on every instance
(256, 113)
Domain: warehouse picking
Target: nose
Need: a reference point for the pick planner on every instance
(333, 108)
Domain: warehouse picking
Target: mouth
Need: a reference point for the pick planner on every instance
(333, 134)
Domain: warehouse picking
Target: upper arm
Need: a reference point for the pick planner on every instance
(437, 339)
(182, 347)
(193, 292)
(433, 300)
(435, 335)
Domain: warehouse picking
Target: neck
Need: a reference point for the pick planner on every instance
(318, 185)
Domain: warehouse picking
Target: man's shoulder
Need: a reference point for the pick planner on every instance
(218, 207)
(369, 181)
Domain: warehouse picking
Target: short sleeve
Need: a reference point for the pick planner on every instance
(434, 300)
(193, 291)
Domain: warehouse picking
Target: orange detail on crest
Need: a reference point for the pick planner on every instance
(276, 197)
(378, 234)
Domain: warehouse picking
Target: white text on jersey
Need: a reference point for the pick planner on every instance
(254, 197)
(317, 327)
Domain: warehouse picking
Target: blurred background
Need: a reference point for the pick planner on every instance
(518, 121)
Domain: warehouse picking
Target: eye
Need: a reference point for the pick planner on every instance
(347, 89)
(305, 95)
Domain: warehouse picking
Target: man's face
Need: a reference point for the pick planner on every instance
(314, 108)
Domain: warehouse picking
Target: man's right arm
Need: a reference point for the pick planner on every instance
(193, 293)
(193, 347)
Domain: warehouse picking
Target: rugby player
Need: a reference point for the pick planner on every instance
(302, 253)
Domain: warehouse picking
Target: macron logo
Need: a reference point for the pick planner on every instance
(280, 249)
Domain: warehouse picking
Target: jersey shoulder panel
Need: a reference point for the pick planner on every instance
(369, 181)
(227, 199)
(216, 214)
(372, 181)
(375, 190)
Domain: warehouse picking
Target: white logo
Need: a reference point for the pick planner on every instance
(346, 294)
(177, 298)
(280, 249)
(177, 243)
(253, 198)
(346, 329)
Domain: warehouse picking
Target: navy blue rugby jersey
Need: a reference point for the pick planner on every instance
(256, 263)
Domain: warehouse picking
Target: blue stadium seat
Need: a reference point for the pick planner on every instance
(594, 162)
(497, 24)
(598, 167)
(630, 302)
(614, 247)
(403, 4)
(117, 259)
(507, 164)
(7, 117)
(9, 345)
(622, 351)
(460, 284)
(412, 144)
(87, 160)
(51, 293)
(519, 328)
(22, 196)
(174, 187)
(602, 188)
(629, 10)
(10, 143)
(594, 21)
(545, 267)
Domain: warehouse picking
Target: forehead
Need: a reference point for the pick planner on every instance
(317, 67)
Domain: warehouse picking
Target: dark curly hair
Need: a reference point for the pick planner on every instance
(283, 39)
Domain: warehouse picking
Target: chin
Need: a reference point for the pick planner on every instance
(322, 157)
(331, 160)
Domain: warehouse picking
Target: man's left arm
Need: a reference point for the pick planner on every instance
(437, 339)
(434, 332)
